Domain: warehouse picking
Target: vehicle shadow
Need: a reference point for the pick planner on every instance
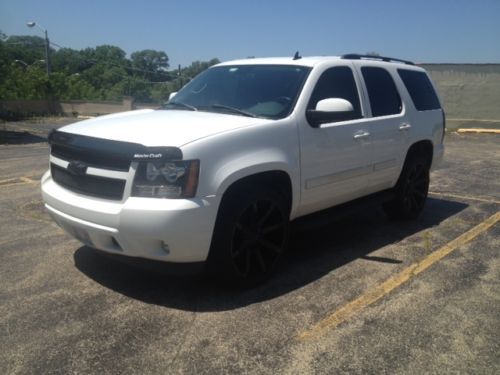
(320, 244)
(19, 137)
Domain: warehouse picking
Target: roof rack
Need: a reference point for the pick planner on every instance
(355, 56)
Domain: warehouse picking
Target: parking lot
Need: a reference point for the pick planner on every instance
(357, 294)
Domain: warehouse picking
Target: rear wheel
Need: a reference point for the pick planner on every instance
(250, 237)
(411, 189)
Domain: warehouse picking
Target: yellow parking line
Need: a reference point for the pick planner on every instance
(28, 180)
(465, 197)
(472, 119)
(17, 181)
(373, 295)
(478, 130)
(8, 181)
(13, 184)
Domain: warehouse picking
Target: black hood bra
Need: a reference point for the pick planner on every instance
(104, 152)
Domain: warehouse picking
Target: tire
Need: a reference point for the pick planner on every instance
(250, 237)
(410, 192)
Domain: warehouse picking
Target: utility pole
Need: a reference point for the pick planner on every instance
(180, 77)
(47, 53)
(47, 45)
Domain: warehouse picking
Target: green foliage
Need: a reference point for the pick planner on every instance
(25, 48)
(25, 84)
(197, 67)
(69, 61)
(150, 65)
(100, 73)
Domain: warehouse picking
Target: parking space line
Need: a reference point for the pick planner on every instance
(8, 181)
(465, 197)
(17, 181)
(13, 184)
(28, 180)
(352, 308)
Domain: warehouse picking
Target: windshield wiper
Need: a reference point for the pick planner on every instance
(183, 105)
(234, 110)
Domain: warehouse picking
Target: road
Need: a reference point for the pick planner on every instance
(357, 294)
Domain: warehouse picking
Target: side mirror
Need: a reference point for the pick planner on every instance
(330, 110)
(334, 105)
(171, 96)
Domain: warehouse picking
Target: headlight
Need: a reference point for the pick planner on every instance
(172, 179)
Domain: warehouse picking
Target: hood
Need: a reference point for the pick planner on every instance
(160, 127)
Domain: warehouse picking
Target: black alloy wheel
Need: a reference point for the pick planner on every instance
(416, 188)
(250, 237)
(411, 189)
(258, 239)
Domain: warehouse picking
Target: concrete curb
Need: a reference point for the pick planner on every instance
(478, 130)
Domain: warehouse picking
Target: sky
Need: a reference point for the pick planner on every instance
(454, 31)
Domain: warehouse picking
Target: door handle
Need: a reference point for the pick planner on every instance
(404, 127)
(361, 134)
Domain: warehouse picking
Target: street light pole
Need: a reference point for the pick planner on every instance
(47, 45)
(47, 52)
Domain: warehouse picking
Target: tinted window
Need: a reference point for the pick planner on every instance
(268, 91)
(337, 82)
(384, 97)
(420, 88)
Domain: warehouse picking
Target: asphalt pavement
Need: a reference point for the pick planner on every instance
(357, 294)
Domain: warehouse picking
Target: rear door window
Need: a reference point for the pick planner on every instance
(382, 92)
(420, 89)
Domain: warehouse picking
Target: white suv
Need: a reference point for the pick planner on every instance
(214, 177)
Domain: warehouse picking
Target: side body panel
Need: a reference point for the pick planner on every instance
(389, 136)
(229, 157)
(335, 157)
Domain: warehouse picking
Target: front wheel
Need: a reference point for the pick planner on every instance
(410, 192)
(250, 237)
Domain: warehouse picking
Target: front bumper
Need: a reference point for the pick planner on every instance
(169, 230)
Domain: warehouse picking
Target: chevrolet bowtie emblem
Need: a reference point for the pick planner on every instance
(78, 168)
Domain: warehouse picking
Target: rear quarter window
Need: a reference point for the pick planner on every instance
(420, 89)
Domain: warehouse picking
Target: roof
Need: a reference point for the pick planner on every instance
(303, 61)
(311, 61)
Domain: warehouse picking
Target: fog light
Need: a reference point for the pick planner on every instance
(165, 247)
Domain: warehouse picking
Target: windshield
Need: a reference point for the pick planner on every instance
(267, 91)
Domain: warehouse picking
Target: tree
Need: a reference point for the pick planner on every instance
(197, 67)
(102, 73)
(70, 61)
(25, 83)
(4, 62)
(150, 64)
(103, 77)
(26, 48)
(111, 54)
